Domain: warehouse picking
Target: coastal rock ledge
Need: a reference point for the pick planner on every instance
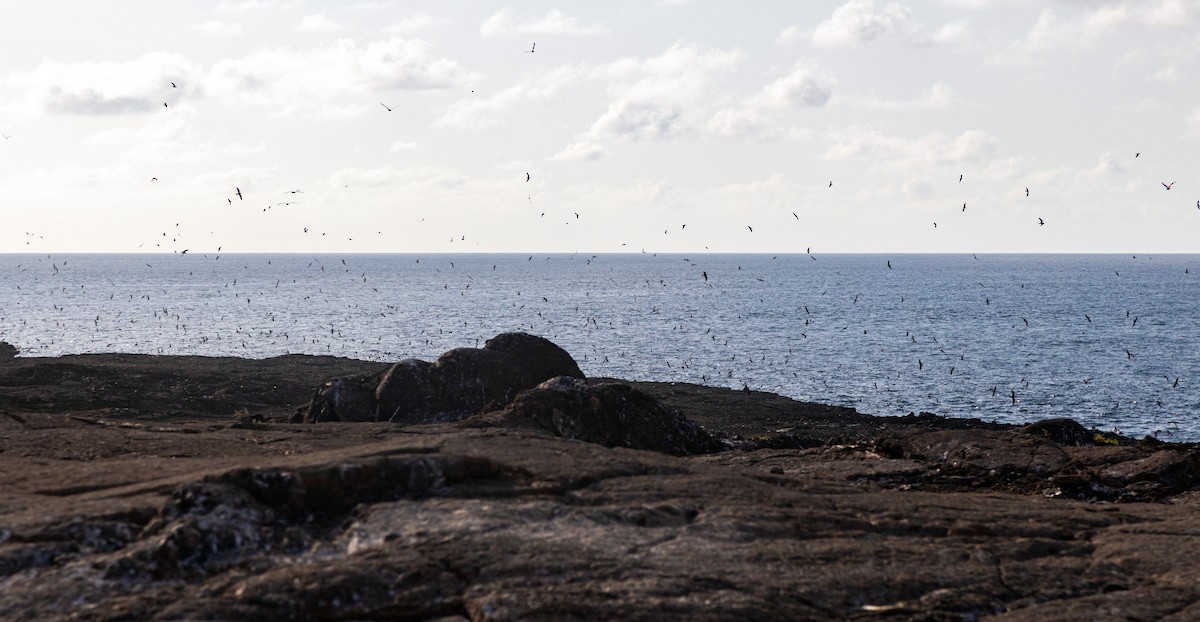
(458, 384)
(148, 488)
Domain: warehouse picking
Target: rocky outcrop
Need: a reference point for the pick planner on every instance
(457, 385)
(1054, 458)
(609, 413)
(8, 351)
(504, 524)
(158, 502)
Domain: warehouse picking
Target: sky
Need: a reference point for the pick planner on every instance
(867, 126)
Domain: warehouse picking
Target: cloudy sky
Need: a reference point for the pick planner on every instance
(669, 126)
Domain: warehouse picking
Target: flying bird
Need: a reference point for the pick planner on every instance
(1137, 154)
(531, 48)
(831, 184)
(750, 228)
(527, 178)
(239, 193)
(173, 85)
(1027, 192)
(964, 207)
(1166, 185)
(960, 178)
(798, 218)
(1041, 222)
(385, 106)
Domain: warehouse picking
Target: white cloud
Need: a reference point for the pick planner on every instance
(317, 22)
(1193, 122)
(413, 23)
(1052, 32)
(1105, 19)
(402, 145)
(655, 98)
(555, 22)
(482, 112)
(1109, 164)
(254, 5)
(859, 21)
(953, 32)
(634, 121)
(801, 88)
(583, 150)
(938, 97)
(108, 87)
(218, 28)
(892, 152)
(756, 116)
(315, 77)
(791, 33)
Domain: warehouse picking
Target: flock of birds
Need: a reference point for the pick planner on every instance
(767, 323)
(270, 328)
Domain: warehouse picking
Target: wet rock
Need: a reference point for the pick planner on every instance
(1062, 431)
(609, 414)
(455, 386)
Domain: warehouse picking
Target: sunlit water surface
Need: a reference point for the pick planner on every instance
(1111, 341)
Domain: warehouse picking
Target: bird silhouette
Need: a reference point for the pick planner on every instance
(750, 228)
(239, 193)
(385, 106)
(1027, 192)
(531, 48)
(1167, 186)
(1041, 222)
(960, 178)
(173, 85)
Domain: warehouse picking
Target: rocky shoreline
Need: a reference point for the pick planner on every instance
(172, 487)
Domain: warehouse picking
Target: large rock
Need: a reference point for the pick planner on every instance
(610, 414)
(457, 385)
(8, 351)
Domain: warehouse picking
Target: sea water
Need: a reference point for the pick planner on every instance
(1112, 341)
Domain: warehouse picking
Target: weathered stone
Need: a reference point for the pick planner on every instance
(132, 492)
(1062, 431)
(8, 351)
(610, 414)
(457, 385)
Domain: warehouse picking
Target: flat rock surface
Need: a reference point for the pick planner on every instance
(170, 488)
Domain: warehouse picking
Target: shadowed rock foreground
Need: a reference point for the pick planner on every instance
(171, 488)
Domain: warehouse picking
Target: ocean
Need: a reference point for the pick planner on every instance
(1111, 341)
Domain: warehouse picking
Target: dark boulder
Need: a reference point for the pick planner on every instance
(8, 351)
(458, 384)
(610, 414)
(1061, 431)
